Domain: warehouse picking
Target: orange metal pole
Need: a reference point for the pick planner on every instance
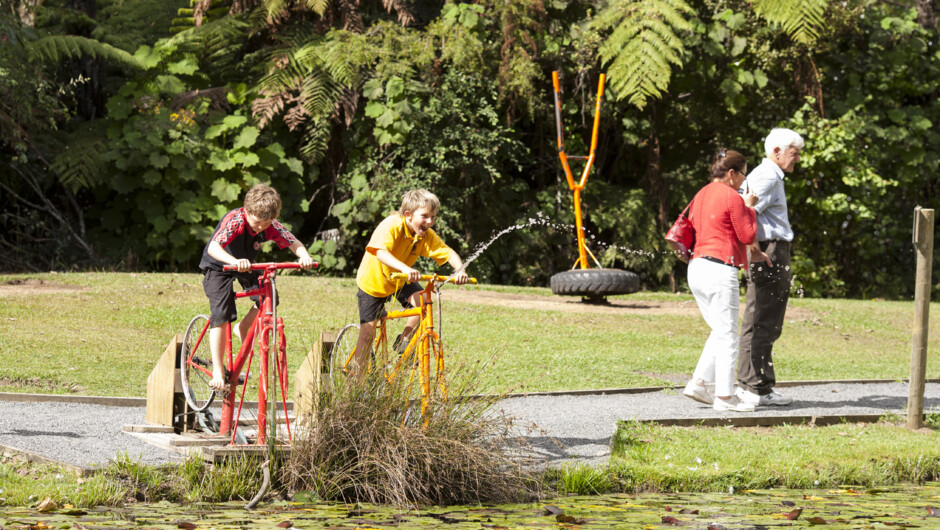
(561, 134)
(597, 121)
(582, 250)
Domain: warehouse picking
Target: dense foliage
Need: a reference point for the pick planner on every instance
(128, 127)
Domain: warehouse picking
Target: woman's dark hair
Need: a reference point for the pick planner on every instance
(727, 159)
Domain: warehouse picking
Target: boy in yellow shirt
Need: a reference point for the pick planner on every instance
(395, 246)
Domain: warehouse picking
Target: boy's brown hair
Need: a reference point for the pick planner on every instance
(414, 199)
(263, 202)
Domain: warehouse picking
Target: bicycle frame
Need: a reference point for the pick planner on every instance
(424, 342)
(269, 329)
(424, 345)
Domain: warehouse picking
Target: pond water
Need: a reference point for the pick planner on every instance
(895, 507)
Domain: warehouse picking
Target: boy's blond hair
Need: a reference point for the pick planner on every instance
(263, 202)
(414, 199)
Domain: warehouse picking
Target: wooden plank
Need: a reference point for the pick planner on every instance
(162, 385)
(308, 380)
(108, 401)
(148, 428)
(189, 441)
(21, 454)
(219, 454)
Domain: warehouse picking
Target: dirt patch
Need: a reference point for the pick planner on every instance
(32, 286)
(575, 305)
(35, 383)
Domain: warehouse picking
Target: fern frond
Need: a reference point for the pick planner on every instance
(223, 29)
(315, 142)
(318, 94)
(56, 48)
(275, 9)
(802, 20)
(317, 6)
(405, 16)
(643, 45)
(266, 107)
(79, 165)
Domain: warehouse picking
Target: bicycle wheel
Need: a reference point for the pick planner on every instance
(196, 365)
(343, 347)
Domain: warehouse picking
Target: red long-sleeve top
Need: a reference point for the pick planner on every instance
(723, 224)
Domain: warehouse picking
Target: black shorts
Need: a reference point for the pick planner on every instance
(218, 287)
(372, 308)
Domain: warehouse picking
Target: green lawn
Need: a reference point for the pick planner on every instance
(650, 457)
(103, 336)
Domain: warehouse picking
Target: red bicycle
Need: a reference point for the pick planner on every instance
(268, 330)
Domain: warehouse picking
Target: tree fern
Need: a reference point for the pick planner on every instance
(801, 19)
(643, 45)
(218, 44)
(79, 164)
(56, 48)
(299, 88)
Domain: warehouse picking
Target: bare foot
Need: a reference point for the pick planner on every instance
(217, 382)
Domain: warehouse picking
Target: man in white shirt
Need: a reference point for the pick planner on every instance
(768, 284)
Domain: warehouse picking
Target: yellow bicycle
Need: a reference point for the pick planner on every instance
(423, 350)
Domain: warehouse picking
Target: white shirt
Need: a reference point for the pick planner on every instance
(766, 181)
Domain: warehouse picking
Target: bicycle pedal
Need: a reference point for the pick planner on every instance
(241, 377)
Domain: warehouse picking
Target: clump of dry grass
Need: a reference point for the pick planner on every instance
(368, 442)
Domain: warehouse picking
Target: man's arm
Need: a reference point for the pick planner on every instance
(763, 187)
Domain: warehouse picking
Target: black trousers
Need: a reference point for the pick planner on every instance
(768, 289)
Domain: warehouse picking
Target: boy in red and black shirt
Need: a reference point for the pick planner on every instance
(236, 242)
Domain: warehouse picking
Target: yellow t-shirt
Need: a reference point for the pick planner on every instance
(393, 235)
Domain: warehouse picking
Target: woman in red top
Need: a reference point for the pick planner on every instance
(724, 224)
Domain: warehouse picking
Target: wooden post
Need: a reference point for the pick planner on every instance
(923, 242)
(309, 379)
(164, 390)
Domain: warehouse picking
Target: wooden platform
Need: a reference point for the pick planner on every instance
(210, 447)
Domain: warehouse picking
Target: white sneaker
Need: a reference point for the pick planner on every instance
(698, 393)
(747, 396)
(733, 404)
(775, 398)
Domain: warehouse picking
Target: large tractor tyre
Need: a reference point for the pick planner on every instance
(595, 284)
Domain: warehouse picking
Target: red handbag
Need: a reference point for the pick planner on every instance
(681, 237)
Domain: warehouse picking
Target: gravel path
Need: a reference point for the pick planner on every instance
(77, 434)
(557, 426)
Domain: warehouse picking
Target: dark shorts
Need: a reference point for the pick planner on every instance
(372, 308)
(218, 287)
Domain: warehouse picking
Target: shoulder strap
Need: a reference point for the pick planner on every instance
(687, 206)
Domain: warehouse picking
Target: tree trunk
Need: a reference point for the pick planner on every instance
(656, 187)
(926, 16)
(27, 11)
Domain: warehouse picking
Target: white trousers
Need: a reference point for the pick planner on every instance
(717, 293)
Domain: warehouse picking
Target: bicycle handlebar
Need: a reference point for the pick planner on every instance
(428, 277)
(269, 266)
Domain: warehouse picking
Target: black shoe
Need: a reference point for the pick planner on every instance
(399, 345)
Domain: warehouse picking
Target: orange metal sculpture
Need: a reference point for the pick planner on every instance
(583, 251)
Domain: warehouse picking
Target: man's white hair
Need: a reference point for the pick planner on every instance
(782, 138)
